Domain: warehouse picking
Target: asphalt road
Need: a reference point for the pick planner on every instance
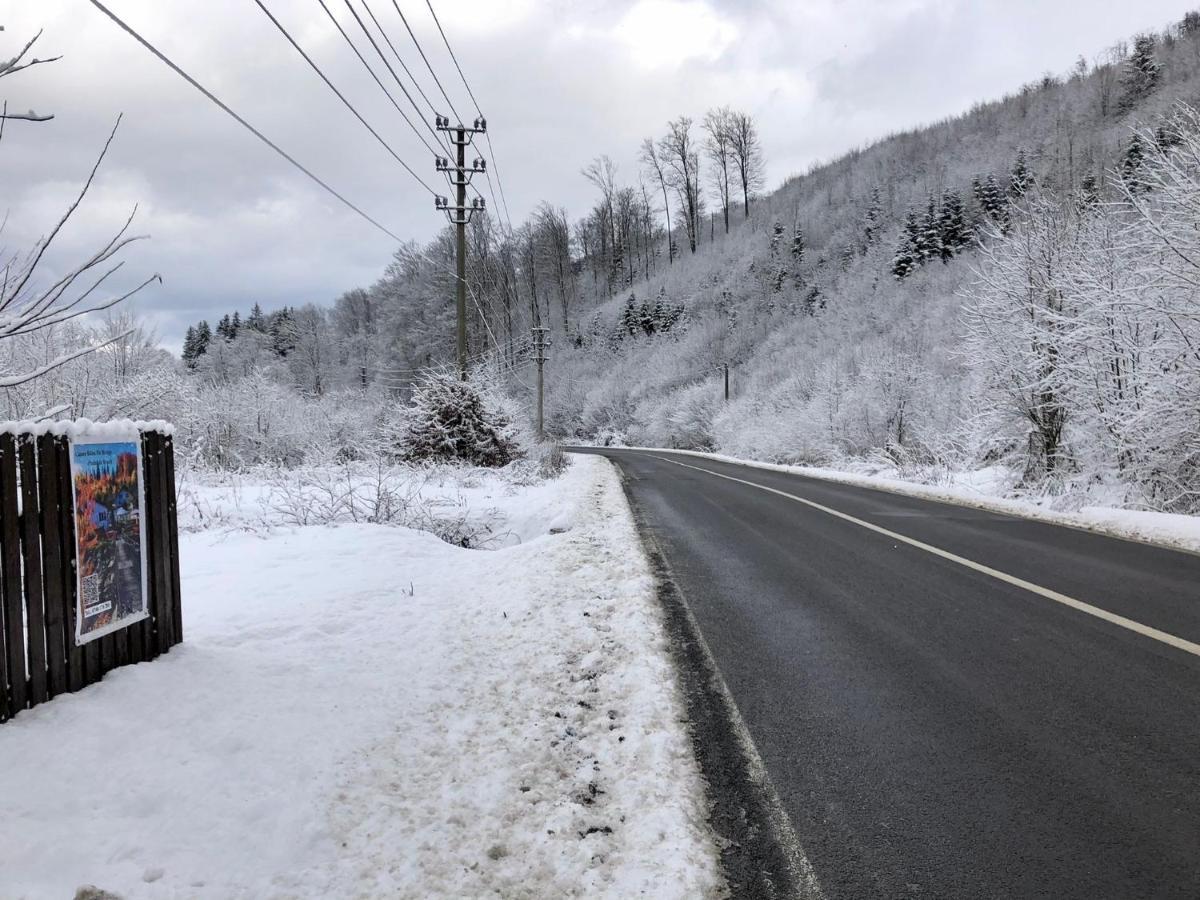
(933, 729)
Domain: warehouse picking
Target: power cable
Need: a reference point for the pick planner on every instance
(308, 59)
(258, 134)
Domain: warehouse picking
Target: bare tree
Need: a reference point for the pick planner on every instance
(651, 160)
(678, 151)
(553, 236)
(602, 172)
(27, 307)
(718, 123)
(746, 152)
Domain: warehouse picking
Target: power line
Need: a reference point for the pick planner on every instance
(379, 52)
(399, 59)
(452, 56)
(341, 96)
(258, 134)
(371, 72)
(420, 50)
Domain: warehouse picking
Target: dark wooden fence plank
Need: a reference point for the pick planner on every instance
(154, 645)
(52, 565)
(76, 671)
(31, 554)
(121, 642)
(12, 642)
(173, 537)
(157, 502)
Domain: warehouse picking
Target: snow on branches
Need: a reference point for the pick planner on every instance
(453, 421)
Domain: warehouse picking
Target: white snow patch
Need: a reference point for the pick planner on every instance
(366, 711)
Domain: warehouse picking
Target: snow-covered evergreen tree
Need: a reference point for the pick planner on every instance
(1021, 178)
(451, 420)
(1141, 73)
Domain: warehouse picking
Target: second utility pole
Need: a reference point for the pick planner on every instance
(460, 215)
(540, 343)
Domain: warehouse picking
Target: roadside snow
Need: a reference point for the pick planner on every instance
(366, 711)
(983, 489)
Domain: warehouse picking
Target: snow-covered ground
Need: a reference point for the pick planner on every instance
(986, 489)
(367, 711)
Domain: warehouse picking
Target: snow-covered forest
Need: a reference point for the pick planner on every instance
(1013, 289)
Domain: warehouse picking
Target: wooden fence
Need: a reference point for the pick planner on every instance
(39, 657)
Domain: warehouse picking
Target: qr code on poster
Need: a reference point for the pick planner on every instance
(91, 593)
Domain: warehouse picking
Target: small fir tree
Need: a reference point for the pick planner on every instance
(952, 226)
(451, 421)
(1021, 179)
(871, 218)
(905, 258)
(631, 320)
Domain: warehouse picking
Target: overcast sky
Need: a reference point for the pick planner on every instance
(560, 81)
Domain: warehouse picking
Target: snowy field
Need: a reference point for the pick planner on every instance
(991, 489)
(368, 711)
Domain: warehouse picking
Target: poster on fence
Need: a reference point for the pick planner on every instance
(110, 542)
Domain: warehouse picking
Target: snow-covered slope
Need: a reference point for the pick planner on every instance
(366, 711)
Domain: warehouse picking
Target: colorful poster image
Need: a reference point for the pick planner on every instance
(109, 539)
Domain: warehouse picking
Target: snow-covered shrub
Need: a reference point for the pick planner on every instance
(454, 421)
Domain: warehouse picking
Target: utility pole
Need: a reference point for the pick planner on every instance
(459, 176)
(726, 365)
(540, 343)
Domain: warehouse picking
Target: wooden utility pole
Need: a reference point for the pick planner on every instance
(460, 214)
(540, 343)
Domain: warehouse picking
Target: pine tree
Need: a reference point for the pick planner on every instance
(645, 318)
(660, 313)
(905, 258)
(203, 337)
(189, 353)
(631, 321)
(929, 239)
(235, 325)
(1089, 191)
(871, 218)
(451, 421)
(952, 226)
(776, 238)
(256, 321)
(224, 328)
(1131, 162)
(1142, 72)
(995, 205)
(280, 330)
(1021, 179)
(797, 247)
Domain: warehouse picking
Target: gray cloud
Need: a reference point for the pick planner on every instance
(561, 82)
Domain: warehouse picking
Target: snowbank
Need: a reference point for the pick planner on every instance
(982, 489)
(367, 711)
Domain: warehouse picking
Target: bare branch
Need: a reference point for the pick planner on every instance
(11, 381)
(29, 116)
(45, 243)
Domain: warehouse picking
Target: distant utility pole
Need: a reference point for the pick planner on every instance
(540, 343)
(460, 214)
(726, 367)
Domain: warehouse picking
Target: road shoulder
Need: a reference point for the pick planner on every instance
(761, 856)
